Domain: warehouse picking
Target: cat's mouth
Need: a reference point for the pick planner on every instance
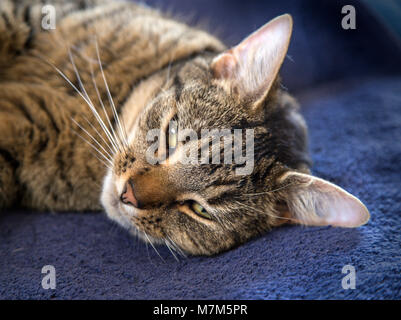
(115, 209)
(121, 213)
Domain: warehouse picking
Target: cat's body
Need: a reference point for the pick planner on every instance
(157, 69)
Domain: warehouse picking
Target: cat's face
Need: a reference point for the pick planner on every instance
(205, 208)
(199, 207)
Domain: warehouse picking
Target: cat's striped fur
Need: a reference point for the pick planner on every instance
(44, 164)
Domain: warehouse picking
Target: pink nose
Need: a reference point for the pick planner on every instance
(128, 196)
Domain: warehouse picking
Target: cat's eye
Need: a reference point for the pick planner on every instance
(200, 211)
(172, 136)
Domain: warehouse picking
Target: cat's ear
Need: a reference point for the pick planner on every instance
(251, 67)
(317, 202)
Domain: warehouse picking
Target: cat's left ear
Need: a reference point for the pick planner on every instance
(316, 202)
(250, 68)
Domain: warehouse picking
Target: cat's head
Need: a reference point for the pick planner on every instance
(202, 208)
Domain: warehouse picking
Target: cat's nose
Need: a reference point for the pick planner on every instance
(128, 195)
(147, 189)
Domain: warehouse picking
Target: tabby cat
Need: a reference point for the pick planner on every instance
(77, 102)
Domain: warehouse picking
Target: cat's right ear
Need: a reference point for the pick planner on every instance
(250, 68)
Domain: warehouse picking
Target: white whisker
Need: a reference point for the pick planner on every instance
(102, 161)
(88, 100)
(169, 248)
(91, 61)
(101, 101)
(151, 243)
(91, 107)
(82, 96)
(84, 130)
(175, 247)
(99, 134)
(110, 164)
(123, 136)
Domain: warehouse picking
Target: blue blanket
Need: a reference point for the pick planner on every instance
(349, 85)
